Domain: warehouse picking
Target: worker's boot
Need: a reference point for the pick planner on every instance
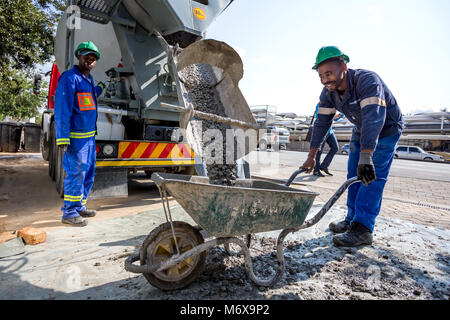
(318, 173)
(77, 221)
(339, 227)
(357, 235)
(326, 171)
(87, 213)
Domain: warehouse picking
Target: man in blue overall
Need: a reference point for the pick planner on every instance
(75, 124)
(368, 103)
(331, 140)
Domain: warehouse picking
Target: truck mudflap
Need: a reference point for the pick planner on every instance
(134, 154)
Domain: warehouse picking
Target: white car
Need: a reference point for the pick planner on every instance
(416, 153)
(274, 137)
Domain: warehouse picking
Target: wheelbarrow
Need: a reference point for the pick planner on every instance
(174, 253)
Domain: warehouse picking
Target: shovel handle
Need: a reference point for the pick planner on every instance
(213, 117)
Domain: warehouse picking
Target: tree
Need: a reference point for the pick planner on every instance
(27, 30)
(16, 96)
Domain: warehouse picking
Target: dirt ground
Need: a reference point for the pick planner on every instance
(28, 196)
(409, 259)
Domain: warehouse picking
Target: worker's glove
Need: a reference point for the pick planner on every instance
(102, 86)
(63, 147)
(366, 170)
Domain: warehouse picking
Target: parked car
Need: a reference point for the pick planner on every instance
(345, 149)
(416, 153)
(274, 137)
(283, 137)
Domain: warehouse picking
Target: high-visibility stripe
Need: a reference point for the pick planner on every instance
(128, 149)
(166, 150)
(187, 152)
(73, 197)
(82, 135)
(153, 150)
(176, 152)
(148, 151)
(159, 148)
(72, 200)
(85, 100)
(139, 150)
(326, 111)
(62, 141)
(130, 163)
(372, 100)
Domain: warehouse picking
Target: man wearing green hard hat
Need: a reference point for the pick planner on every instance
(76, 127)
(363, 97)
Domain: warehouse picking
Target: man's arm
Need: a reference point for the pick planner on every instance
(99, 88)
(373, 113)
(64, 100)
(373, 110)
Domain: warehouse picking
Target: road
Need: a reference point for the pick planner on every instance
(400, 167)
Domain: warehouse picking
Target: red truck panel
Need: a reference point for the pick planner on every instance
(52, 87)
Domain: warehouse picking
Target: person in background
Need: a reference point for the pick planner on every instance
(332, 142)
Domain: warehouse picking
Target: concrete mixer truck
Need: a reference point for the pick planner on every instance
(140, 106)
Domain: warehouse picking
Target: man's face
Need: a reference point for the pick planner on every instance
(87, 62)
(332, 74)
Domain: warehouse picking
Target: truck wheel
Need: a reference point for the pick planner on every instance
(52, 153)
(160, 246)
(44, 146)
(60, 173)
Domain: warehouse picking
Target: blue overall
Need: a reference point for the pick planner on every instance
(75, 124)
(371, 107)
(364, 203)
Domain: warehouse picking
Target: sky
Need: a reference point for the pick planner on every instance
(406, 42)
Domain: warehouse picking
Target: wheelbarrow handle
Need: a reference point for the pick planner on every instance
(293, 176)
(329, 204)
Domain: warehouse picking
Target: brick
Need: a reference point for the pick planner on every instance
(32, 236)
(6, 236)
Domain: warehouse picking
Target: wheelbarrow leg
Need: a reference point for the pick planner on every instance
(230, 252)
(249, 265)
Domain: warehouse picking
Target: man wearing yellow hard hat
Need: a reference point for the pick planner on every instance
(366, 101)
(75, 124)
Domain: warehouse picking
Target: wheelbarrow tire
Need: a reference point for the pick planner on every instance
(156, 241)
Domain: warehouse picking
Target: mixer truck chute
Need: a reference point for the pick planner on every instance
(140, 42)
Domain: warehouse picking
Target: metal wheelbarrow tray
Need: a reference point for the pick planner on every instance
(251, 206)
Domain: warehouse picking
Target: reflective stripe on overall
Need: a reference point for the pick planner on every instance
(79, 164)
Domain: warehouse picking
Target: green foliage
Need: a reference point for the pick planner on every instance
(27, 29)
(16, 96)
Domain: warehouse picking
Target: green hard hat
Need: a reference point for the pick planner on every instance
(86, 48)
(329, 52)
